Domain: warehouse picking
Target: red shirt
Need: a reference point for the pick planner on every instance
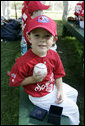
(78, 8)
(26, 17)
(24, 68)
(82, 11)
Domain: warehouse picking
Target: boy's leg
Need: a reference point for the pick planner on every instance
(70, 92)
(70, 108)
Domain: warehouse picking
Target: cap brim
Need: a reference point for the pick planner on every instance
(44, 7)
(41, 26)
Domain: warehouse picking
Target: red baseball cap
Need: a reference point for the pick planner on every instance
(36, 5)
(25, 6)
(45, 22)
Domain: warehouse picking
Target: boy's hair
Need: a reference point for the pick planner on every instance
(45, 22)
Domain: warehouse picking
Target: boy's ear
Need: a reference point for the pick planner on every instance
(28, 37)
(55, 39)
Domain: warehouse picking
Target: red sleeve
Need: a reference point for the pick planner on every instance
(58, 69)
(18, 73)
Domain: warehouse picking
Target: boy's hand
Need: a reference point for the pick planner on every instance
(59, 97)
(59, 90)
(37, 77)
(33, 79)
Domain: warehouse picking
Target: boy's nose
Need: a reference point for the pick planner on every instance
(43, 39)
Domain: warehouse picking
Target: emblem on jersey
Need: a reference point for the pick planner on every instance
(13, 76)
(43, 19)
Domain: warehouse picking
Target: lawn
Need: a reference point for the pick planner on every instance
(70, 51)
(9, 95)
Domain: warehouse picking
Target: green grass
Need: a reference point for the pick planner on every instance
(71, 57)
(70, 51)
(9, 95)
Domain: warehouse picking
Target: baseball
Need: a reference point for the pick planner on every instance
(40, 67)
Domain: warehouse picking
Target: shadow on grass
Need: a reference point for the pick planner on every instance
(71, 51)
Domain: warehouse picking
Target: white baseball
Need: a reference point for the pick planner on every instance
(40, 67)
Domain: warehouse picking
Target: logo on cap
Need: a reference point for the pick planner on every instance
(43, 19)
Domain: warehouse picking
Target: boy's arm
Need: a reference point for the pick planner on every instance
(32, 79)
(59, 90)
(27, 80)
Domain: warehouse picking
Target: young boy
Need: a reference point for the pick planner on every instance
(43, 91)
(30, 10)
(79, 13)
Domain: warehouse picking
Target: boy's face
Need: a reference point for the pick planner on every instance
(41, 41)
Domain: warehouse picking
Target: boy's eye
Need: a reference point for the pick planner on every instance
(47, 36)
(37, 35)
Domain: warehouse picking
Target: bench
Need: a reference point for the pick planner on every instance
(25, 107)
(73, 29)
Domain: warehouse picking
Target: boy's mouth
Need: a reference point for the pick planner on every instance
(42, 46)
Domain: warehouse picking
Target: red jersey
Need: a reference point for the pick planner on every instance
(78, 8)
(24, 68)
(82, 11)
(26, 17)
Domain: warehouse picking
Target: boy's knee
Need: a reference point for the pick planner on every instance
(74, 107)
(75, 93)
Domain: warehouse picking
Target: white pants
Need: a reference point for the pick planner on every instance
(70, 92)
(69, 105)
